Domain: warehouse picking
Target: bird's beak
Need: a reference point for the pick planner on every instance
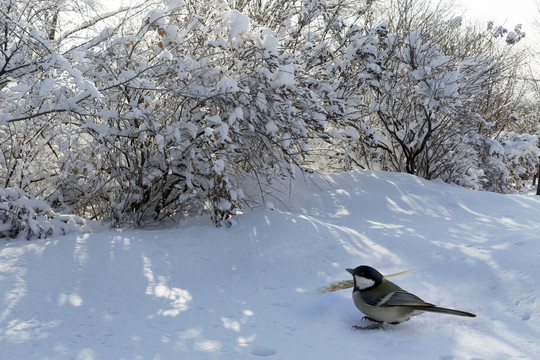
(351, 271)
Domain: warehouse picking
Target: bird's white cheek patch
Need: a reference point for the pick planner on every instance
(363, 283)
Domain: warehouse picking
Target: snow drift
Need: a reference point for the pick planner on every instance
(198, 292)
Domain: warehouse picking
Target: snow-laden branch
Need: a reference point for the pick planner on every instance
(96, 19)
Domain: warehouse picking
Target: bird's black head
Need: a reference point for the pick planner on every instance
(366, 277)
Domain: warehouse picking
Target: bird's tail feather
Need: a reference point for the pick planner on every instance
(445, 311)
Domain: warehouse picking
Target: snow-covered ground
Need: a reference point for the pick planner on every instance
(250, 291)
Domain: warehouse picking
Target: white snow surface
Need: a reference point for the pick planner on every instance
(250, 291)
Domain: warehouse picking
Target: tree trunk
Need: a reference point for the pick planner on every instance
(537, 177)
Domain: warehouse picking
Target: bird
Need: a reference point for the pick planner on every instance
(384, 302)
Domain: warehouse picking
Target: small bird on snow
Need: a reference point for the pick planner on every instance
(384, 302)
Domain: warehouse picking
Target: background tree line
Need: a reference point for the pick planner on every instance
(180, 108)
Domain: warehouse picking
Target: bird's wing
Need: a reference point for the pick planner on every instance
(389, 294)
(403, 298)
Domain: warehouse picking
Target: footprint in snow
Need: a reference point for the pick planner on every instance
(262, 351)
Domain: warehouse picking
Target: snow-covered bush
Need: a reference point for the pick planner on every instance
(41, 95)
(191, 106)
(426, 100)
(22, 216)
(512, 162)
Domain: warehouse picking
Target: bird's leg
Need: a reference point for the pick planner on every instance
(371, 319)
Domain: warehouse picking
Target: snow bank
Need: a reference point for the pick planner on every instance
(197, 292)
